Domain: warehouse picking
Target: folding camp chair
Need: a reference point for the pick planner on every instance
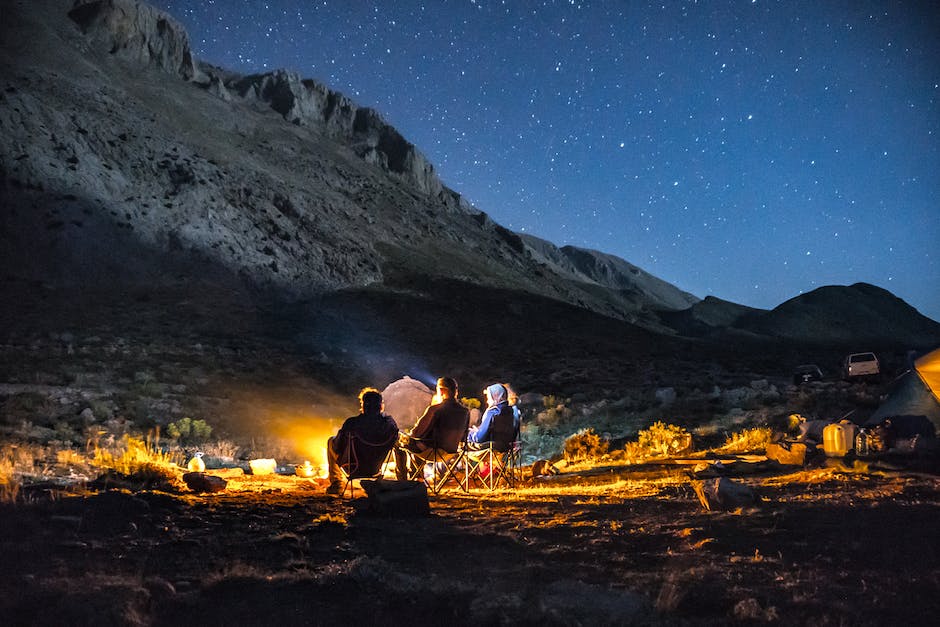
(444, 465)
(365, 460)
(490, 465)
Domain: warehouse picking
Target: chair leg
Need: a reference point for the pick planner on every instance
(451, 468)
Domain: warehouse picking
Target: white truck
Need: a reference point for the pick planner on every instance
(861, 365)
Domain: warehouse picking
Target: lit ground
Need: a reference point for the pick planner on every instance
(618, 545)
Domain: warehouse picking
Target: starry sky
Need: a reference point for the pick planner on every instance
(750, 150)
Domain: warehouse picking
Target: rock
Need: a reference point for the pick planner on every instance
(201, 482)
(542, 468)
(592, 604)
(137, 32)
(788, 453)
(397, 498)
(666, 396)
(723, 494)
(531, 398)
(159, 588)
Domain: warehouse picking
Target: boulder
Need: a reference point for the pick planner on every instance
(201, 482)
(723, 494)
(543, 468)
(666, 396)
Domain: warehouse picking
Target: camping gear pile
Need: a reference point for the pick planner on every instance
(906, 423)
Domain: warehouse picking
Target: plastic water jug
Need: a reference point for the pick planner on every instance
(839, 438)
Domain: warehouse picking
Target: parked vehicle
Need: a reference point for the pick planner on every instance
(806, 373)
(861, 365)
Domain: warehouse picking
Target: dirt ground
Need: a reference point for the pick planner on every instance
(607, 546)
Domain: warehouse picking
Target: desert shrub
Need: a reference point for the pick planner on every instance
(470, 403)
(583, 445)
(663, 439)
(189, 431)
(9, 482)
(633, 452)
(747, 440)
(220, 448)
(145, 384)
(100, 409)
(537, 443)
(140, 460)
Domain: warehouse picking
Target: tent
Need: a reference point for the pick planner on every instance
(915, 396)
(405, 401)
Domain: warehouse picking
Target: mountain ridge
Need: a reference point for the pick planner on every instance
(126, 159)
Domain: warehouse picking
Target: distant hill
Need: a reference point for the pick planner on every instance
(707, 316)
(856, 314)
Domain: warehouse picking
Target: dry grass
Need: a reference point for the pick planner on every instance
(9, 483)
(140, 459)
(746, 441)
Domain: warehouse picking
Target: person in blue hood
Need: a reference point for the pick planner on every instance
(500, 422)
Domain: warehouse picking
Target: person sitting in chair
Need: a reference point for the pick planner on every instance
(500, 422)
(371, 426)
(442, 426)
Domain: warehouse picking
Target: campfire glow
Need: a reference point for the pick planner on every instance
(308, 440)
(305, 470)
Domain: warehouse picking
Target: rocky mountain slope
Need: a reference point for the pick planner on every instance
(125, 160)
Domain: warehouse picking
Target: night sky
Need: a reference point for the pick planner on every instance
(748, 150)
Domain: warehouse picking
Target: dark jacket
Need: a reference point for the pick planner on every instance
(373, 429)
(499, 426)
(443, 426)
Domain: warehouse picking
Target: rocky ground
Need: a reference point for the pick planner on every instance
(597, 544)
(602, 546)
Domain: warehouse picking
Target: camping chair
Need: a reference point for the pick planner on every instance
(444, 463)
(365, 460)
(490, 465)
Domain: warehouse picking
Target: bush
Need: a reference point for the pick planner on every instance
(140, 460)
(189, 431)
(747, 440)
(662, 439)
(585, 444)
(470, 403)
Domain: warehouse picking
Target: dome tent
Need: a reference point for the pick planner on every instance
(405, 401)
(915, 395)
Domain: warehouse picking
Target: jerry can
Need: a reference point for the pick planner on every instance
(839, 438)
